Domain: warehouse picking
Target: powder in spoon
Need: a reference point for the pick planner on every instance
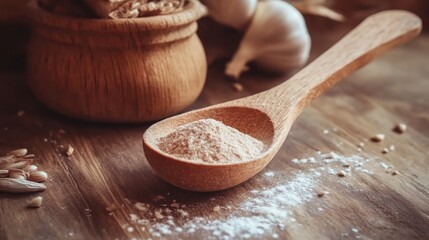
(210, 141)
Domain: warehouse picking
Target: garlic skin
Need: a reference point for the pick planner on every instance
(233, 13)
(276, 40)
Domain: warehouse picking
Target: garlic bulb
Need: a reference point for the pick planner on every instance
(233, 13)
(276, 40)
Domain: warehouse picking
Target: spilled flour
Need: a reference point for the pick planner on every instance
(262, 213)
(210, 141)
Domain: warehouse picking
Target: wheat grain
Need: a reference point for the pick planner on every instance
(35, 202)
(38, 176)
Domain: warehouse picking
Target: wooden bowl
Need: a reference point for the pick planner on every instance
(126, 70)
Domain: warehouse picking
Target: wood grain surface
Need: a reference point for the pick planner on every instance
(108, 167)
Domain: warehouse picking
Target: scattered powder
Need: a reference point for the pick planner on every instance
(264, 213)
(210, 141)
(389, 168)
(333, 163)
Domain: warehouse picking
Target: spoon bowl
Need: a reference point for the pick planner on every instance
(204, 176)
(268, 116)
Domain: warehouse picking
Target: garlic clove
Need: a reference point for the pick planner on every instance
(233, 13)
(276, 40)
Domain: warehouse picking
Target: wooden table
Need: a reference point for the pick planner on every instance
(93, 193)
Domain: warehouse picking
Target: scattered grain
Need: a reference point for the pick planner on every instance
(216, 209)
(19, 163)
(385, 151)
(395, 172)
(30, 168)
(378, 138)
(38, 176)
(18, 152)
(322, 193)
(35, 202)
(400, 128)
(341, 173)
(70, 150)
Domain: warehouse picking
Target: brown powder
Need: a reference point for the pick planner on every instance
(210, 141)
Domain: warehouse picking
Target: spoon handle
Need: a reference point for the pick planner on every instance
(374, 36)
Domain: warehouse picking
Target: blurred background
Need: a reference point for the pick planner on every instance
(15, 30)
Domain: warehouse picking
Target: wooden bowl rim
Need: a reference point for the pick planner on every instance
(192, 11)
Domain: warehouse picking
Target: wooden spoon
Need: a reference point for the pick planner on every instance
(269, 115)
